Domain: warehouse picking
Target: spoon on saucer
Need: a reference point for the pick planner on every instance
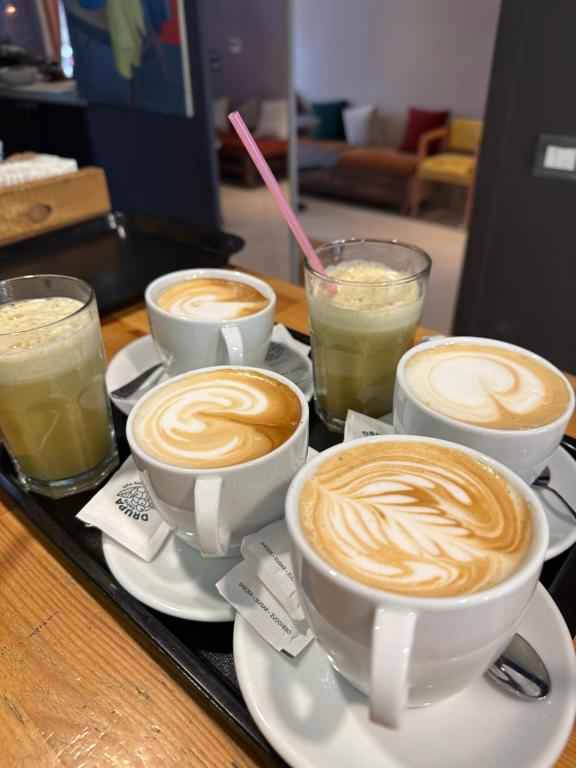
(134, 384)
(543, 481)
(520, 671)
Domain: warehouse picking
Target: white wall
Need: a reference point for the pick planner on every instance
(396, 54)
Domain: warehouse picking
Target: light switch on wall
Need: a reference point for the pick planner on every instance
(555, 156)
(560, 158)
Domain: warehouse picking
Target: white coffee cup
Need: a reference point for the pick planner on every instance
(185, 344)
(213, 509)
(526, 451)
(404, 651)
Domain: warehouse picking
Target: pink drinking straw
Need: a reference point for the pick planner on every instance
(270, 181)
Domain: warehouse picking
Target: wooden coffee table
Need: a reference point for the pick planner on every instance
(80, 685)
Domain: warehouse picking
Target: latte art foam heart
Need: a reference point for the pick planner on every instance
(491, 386)
(217, 419)
(211, 299)
(415, 518)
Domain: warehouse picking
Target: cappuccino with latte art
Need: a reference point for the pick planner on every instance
(415, 518)
(218, 448)
(415, 559)
(487, 385)
(217, 419)
(210, 298)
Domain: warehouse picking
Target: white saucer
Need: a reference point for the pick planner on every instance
(562, 525)
(141, 354)
(314, 718)
(178, 581)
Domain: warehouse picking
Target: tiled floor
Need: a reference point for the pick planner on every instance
(252, 214)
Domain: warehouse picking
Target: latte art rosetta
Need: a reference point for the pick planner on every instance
(487, 385)
(217, 419)
(414, 518)
(211, 299)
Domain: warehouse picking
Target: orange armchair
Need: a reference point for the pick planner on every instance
(455, 165)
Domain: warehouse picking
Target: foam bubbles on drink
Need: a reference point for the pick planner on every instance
(365, 296)
(30, 313)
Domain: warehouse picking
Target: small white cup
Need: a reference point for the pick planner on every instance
(526, 451)
(405, 651)
(185, 344)
(213, 509)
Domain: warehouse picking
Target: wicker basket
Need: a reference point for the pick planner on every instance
(40, 206)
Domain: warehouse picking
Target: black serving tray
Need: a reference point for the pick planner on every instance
(203, 652)
(118, 254)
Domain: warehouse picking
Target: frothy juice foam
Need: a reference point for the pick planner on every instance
(487, 385)
(211, 299)
(415, 518)
(217, 419)
(358, 335)
(53, 401)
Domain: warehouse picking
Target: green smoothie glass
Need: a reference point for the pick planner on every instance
(363, 313)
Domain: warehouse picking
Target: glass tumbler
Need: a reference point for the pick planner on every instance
(363, 313)
(55, 416)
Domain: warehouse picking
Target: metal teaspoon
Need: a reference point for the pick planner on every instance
(520, 671)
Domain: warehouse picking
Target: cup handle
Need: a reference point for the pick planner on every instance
(234, 345)
(213, 536)
(392, 638)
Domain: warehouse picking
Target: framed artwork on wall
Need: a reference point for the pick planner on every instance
(132, 53)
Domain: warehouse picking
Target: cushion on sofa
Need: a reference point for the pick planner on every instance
(379, 160)
(273, 120)
(449, 167)
(419, 121)
(357, 123)
(330, 125)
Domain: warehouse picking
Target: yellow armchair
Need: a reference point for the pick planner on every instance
(455, 165)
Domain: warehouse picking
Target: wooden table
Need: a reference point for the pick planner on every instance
(80, 685)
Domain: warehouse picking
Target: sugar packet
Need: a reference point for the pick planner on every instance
(288, 356)
(268, 551)
(125, 510)
(263, 588)
(244, 590)
(359, 425)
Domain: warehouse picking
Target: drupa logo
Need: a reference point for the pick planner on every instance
(134, 501)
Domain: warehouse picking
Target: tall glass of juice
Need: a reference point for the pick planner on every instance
(55, 416)
(363, 312)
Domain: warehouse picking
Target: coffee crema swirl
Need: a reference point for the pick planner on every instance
(211, 299)
(486, 385)
(415, 519)
(217, 419)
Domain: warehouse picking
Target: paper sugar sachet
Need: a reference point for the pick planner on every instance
(269, 553)
(358, 425)
(262, 589)
(285, 355)
(125, 510)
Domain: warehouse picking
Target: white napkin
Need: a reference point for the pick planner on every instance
(125, 511)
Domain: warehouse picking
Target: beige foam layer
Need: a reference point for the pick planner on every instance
(415, 519)
(487, 385)
(38, 337)
(217, 419)
(211, 299)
